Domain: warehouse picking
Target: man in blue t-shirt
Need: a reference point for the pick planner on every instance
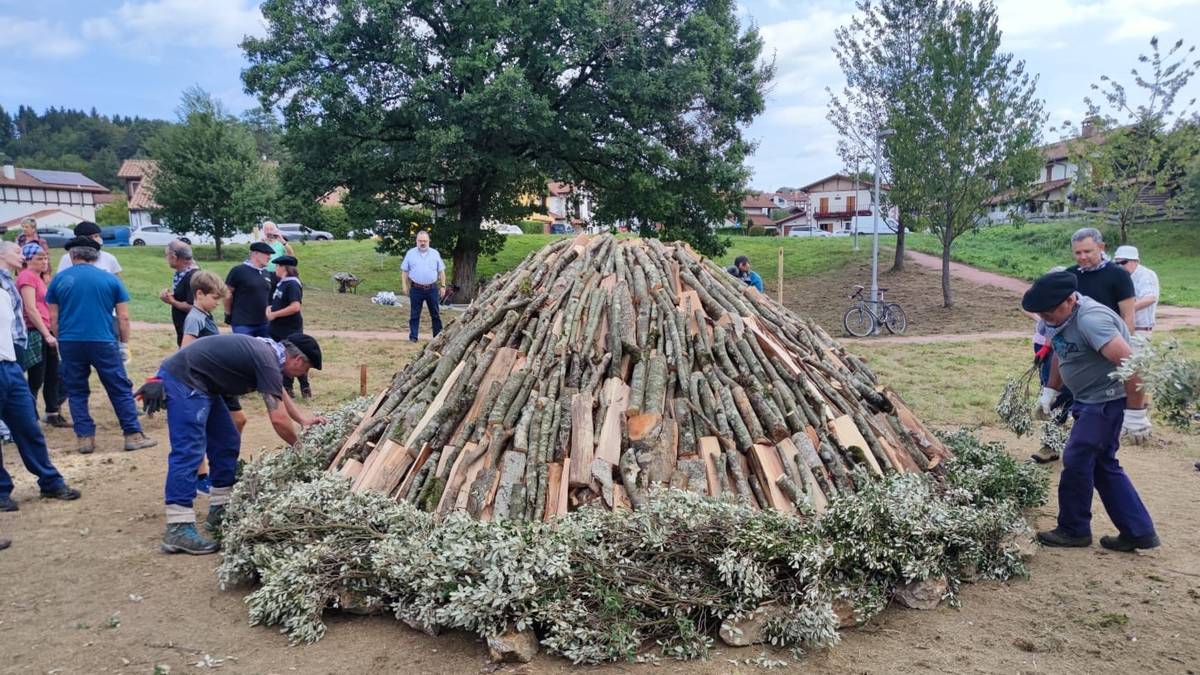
(82, 299)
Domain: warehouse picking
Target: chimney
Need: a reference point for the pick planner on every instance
(9, 171)
(1088, 127)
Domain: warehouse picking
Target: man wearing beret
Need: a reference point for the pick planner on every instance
(83, 300)
(193, 382)
(105, 261)
(1089, 341)
(250, 293)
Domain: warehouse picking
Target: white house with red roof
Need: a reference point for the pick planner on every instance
(54, 198)
(138, 175)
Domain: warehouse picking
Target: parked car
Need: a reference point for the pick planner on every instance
(157, 235)
(809, 233)
(561, 228)
(298, 232)
(56, 237)
(508, 229)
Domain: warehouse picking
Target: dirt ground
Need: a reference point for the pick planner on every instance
(978, 308)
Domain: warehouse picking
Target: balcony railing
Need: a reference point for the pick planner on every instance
(842, 214)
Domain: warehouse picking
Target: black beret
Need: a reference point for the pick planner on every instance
(288, 260)
(1049, 292)
(86, 229)
(307, 346)
(262, 247)
(82, 241)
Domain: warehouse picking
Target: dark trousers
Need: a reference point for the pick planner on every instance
(78, 360)
(1090, 462)
(261, 330)
(417, 297)
(198, 425)
(44, 376)
(289, 383)
(17, 411)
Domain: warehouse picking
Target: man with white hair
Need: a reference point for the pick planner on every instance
(1145, 288)
(16, 401)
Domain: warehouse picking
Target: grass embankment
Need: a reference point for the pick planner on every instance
(146, 273)
(1027, 251)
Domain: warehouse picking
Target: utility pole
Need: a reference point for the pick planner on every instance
(883, 133)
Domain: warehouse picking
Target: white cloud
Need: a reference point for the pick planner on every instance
(1138, 28)
(158, 24)
(1040, 24)
(38, 37)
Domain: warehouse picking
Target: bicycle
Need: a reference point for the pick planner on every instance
(866, 316)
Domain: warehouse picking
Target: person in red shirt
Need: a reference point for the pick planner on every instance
(31, 283)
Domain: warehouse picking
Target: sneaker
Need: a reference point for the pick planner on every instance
(87, 445)
(203, 486)
(1060, 539)
(137, 441)
(64, 493)
(184, 538)
(57, 421)
(7, 504)
(216, 516)
(1044, 455)
(1129, 544)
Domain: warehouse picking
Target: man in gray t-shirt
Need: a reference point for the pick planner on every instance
(1089, 341)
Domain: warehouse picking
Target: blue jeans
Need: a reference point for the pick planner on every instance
(261, 330)
(198, 425)
(17, 411)
(417, 297)
(78, 359)
(1090, 462)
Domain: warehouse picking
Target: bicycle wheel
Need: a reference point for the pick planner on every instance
(894, 319)
(858, 321)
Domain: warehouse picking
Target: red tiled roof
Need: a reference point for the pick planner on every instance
(759, 219)
(788, 219)
(861, 183)
(135, 168)
(58, 180)
(760, 200)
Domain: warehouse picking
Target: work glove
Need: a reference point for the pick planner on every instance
(1043, 354)
(1045, 403)
(1136, 427)
(152, 396)
(124, 352)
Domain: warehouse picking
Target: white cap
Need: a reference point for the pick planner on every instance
(1126, 253)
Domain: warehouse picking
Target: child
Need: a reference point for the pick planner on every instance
(208, 290)
(284, 312)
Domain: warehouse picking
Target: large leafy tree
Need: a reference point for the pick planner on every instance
(465, 108)
(209, 177)
(967, 126)
(1142, 142)
(878, 52)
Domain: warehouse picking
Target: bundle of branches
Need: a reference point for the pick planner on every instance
(1017, 401)
(599, 585)
(600, 367)
(1172, 381)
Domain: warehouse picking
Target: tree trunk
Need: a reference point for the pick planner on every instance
(466, 250)
(217, 242)
(947, 299)
(898, 263)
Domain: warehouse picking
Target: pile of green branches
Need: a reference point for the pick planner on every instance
(601, 586)
(1172, 381)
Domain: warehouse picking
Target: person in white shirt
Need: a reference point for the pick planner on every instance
(107, 261)
(424, 277)
(1145, 288)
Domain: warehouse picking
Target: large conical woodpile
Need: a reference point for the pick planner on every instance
(602, 366)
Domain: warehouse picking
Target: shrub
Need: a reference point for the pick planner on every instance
(757, 231)
(531, 227)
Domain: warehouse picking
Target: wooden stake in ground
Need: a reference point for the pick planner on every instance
(779, 278)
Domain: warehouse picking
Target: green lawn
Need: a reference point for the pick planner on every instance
(146, 272)
(1170, 249)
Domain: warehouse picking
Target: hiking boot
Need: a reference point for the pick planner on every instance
(1044, 455)
(7, 504)
(64, 493)
(5, 543)
(184, 538)
(1060, 539)
(87, 445)
(137, 440)
(57, 421)
(216, 516)
(1129, 544)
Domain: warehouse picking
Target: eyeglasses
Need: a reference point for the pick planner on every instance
(1121, 262)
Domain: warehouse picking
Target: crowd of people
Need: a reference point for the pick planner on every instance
(57, 327)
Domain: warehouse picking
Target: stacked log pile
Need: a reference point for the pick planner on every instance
(602, 366)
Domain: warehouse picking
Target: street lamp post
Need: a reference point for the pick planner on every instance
(883, 133)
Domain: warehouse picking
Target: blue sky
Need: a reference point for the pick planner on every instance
(135, 57)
